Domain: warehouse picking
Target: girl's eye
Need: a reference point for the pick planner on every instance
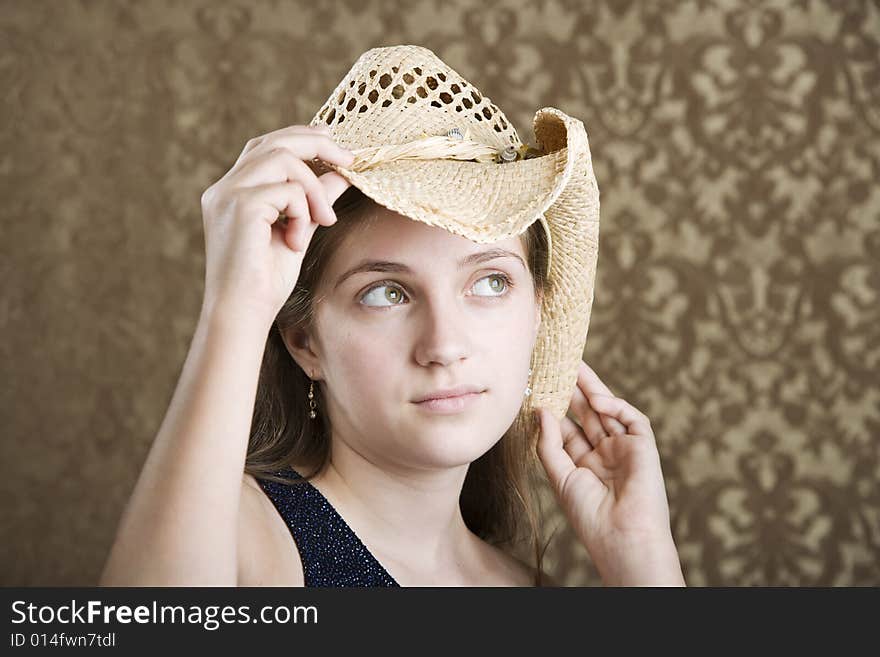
(500, 283)
(392, 294)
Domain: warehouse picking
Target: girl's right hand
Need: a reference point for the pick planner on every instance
(252, 259)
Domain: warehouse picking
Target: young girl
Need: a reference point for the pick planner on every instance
(347, 414)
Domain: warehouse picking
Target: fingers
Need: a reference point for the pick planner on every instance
(588, 381)
(305, 147)
(587, 416)
(299, 233)
(293, 129)
(575, 442)
(282, 166)
(554, 458)
(289, 199)
(272, 175)
(334, 185)
(634, 421)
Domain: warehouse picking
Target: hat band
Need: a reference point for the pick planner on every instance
(452, 146)
(439, 147)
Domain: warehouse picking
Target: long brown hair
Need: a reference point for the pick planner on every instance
(498, 491)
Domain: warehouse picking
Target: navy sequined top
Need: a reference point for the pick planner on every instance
(331, 553)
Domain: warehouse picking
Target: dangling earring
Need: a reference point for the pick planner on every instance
(312, 404)
(529, 384)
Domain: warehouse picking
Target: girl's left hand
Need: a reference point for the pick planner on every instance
(606, 474)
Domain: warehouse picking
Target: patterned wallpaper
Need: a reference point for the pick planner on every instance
(737, 149)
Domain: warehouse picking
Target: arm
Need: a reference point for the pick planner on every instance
(180, 526)
(643, 563)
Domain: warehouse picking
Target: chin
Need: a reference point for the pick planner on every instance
(451, 445)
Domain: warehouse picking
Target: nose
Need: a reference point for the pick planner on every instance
(442, 331)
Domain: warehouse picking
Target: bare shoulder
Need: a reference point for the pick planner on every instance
(267, 553)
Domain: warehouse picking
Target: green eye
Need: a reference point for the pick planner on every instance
(498, 283)
(392, 294)
(498, 287)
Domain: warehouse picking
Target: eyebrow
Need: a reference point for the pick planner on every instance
(399, 267)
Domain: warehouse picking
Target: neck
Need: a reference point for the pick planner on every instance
(410, 516)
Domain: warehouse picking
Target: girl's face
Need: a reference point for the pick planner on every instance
(442, 315)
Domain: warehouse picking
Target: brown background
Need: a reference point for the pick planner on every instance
(737, 152)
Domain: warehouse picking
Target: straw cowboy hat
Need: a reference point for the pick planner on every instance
(431, 147)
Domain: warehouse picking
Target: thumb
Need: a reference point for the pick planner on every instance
(554, 458)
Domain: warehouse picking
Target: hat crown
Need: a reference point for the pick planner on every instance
(397, 94)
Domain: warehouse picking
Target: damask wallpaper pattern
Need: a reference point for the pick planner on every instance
(737, 149)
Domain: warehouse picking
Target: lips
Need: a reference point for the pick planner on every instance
(445, 393)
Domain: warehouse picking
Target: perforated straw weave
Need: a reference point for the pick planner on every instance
(431, 147)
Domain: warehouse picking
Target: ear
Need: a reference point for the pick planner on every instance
(300, 347)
